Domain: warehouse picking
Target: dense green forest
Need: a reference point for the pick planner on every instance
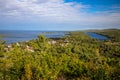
(72, 57)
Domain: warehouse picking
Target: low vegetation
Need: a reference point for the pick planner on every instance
(73, 57)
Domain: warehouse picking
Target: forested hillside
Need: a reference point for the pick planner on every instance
(73, 57)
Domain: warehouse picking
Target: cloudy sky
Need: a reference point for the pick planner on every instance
(59, 14)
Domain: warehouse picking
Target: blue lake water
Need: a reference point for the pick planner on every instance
(12, 36)
(97, 36)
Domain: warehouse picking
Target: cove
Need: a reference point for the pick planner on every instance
(97, 36)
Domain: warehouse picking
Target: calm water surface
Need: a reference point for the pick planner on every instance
(12, 36)
(97, 36)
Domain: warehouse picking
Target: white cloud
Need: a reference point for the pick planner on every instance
(56, 11)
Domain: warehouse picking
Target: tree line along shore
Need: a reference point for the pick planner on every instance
(72, 57)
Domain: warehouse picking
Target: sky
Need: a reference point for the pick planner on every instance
(59, 14)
